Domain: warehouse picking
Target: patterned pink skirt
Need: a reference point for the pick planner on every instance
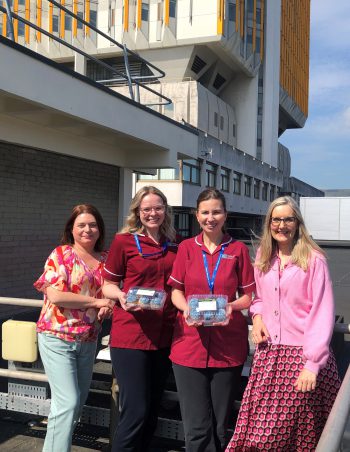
(274, 416)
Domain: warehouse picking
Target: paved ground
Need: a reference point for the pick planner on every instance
(25, 433)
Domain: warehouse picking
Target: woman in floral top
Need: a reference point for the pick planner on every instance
(70, 320)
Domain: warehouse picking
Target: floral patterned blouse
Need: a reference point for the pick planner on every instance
(66, 271)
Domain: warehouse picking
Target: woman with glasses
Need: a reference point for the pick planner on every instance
(141, 255)
(294, 378)
(208, 360)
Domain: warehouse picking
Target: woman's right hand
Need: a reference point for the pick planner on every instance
(104, 303)
(259, 331)
(126, 306)
(189, 321)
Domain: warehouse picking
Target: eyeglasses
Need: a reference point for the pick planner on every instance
(288, 221)
(156, 209)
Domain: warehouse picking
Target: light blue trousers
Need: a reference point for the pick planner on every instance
(69, 367)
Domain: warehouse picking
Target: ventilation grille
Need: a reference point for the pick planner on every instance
(198, 64)
(219, 81)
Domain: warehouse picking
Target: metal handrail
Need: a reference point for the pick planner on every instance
(333, 431)
(127, 77)
(31, 303)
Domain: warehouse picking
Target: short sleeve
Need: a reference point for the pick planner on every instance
(55, 272)
(246, 284)
(115, 265)
(177, 277)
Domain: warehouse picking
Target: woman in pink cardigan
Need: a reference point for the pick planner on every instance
(294, 379)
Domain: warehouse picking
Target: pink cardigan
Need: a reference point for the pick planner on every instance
(297, 307)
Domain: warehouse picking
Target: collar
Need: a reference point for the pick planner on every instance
(225, 240)
(161, 241)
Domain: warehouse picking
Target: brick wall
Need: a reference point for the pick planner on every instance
(37, 192)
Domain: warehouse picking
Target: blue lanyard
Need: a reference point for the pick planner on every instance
(212, 279)
(164, 248)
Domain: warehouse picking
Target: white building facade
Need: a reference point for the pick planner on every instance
(236, 72)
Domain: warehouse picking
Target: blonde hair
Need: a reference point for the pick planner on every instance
(133, 223)
(303, 244)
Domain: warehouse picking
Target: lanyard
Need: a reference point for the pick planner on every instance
(212, 279)
(137, 241)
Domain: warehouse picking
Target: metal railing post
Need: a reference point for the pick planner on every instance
(127, 69)
(10, 20)
(333, 431)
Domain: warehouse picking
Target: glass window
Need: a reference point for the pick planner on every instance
(237, 179)
(191, 171)
(147, 177)
(225, 174)
(216, 118)
(232, 11)
(264, 191)
(168, 110)
(234, 130)
(256, 188)
(21, 28)
(221, 122)
(68, 22)
(211, 175)
(81, 15)
(247, 185)
(172, 8)
(144, 11)
(272, 192)
(182, 224)
(55, 22)
(168, 173)
(93, 18)
(161, 174)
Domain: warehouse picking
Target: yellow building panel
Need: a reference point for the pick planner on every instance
(38, 18)
(15, 22)
(295, 38)
(27, 17)
(50, 18)
(126, 15)
(138, 13)
(87, 17)
(62, 21)
(254, 25)
(167, 12)
(220, 20)
(75, 22)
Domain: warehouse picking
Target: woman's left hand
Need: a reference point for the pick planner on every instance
(104, 313)
(306, 381)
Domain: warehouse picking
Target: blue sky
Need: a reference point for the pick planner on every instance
(320, 151)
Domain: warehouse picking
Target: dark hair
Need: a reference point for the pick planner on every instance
(67, 236)
(211, 193)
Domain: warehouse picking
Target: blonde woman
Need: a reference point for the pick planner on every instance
(141, 255)
(294, 377)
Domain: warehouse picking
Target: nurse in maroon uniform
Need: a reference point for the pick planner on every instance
(141, 255)
(208, 360)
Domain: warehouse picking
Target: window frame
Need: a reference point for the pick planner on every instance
(237, 183)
